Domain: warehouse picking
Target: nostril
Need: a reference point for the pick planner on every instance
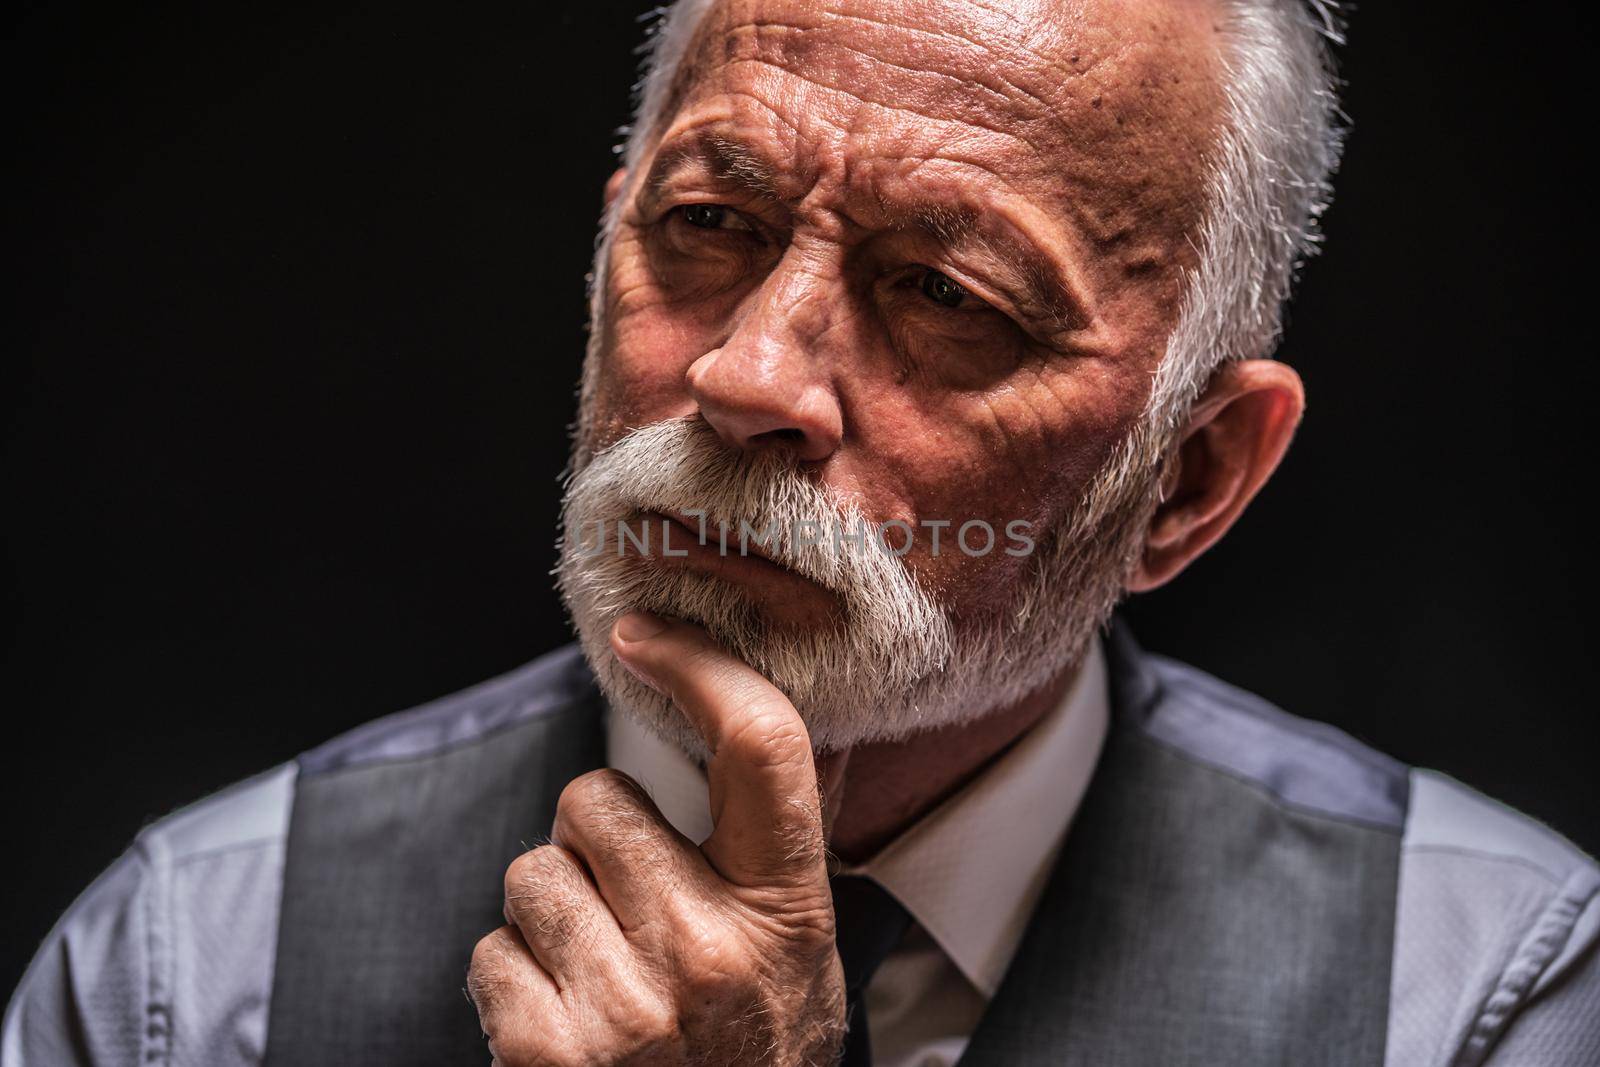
(784, 439)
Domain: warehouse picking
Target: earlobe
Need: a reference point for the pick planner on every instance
(1237, 434)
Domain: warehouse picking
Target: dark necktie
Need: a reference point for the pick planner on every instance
(870, 922)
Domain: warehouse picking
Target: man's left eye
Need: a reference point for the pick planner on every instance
(943, 289)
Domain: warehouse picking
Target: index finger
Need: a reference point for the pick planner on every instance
(764, 800)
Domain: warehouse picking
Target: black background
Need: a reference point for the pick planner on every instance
(301, 311)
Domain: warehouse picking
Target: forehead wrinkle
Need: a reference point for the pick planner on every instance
(967, 124)
(791, 169)
(1098, 146)
(1055, 49)
(996, 114)
(1003, 68)
(993, 72)
(971, 78)
(780, 44)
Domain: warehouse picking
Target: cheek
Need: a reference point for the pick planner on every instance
(646, 348)
(1024, 452)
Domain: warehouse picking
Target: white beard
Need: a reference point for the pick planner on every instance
(894, 662)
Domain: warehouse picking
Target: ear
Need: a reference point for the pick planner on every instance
(614, 185)
(1238, 431)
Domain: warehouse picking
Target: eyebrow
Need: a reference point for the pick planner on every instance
(1045, 285)
(728, 160)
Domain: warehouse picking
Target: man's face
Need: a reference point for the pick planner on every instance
(931, 252)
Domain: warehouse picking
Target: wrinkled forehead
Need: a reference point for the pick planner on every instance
(1106, 108)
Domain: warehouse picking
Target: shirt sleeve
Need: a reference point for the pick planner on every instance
(1496, 937)
(84, 998)
(167, 959)
(1560, 1028)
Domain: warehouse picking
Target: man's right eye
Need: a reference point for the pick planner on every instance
(705, 216)
(716, 217)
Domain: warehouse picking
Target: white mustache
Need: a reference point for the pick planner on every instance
(680, 467)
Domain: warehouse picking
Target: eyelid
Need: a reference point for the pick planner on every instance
(746, 223)
(996, 299)
(976, 290)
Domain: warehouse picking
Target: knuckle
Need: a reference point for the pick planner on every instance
(712, 968)
(488, 976)
(610, 812)
(714, 961)
(647, 1025)
(544, 898)
(603, 791)
(714, 983)
(538, 873)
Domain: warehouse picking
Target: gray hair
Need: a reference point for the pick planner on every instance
(1266, 188)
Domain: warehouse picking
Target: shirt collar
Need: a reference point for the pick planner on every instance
(972, 888)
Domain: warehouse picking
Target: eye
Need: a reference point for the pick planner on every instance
(706, 216)
(714, 217)
(942, 289)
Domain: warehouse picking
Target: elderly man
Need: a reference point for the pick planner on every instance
(921, 333)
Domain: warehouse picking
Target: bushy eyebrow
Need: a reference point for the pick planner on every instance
(727, 159)
(1046, 285)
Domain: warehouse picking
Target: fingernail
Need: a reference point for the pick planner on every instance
(639, 626)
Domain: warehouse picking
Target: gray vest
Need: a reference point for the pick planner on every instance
(1226, 895)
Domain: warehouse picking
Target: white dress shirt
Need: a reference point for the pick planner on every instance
(969, 872)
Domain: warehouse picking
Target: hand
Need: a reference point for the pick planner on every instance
(626, 943)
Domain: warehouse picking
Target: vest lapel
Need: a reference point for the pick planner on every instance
(394, 872)
(1191, 919)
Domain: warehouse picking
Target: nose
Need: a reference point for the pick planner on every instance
(768, 385)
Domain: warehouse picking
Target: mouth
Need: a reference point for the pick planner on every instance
(787, 597)
(747, 563)
(691, 527)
